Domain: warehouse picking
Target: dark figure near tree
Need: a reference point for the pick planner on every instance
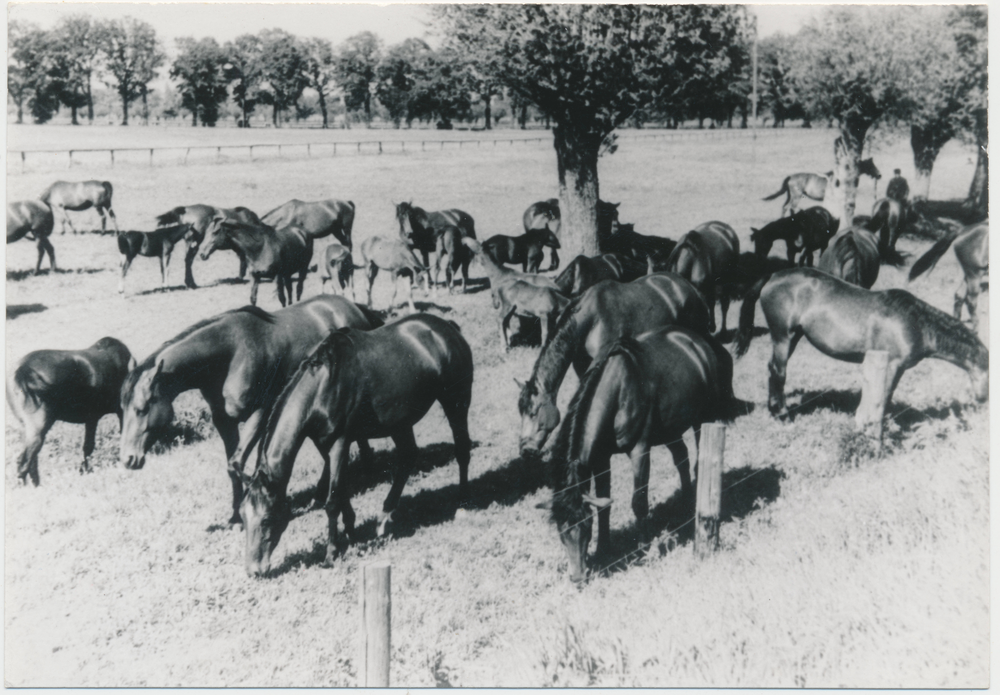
(898, 189)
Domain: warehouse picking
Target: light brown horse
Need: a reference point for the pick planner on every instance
(82, 195)
(972, 248)
(32, 219)
(813, 186)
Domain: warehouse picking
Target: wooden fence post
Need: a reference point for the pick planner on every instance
(150, 156)
(112, 159)
(22, 162)
(376, 621)
(709, 488)
(868, 417)
(70, 165)
(251, 153)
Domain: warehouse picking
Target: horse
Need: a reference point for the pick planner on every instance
(813, 186)
(32, 219)
(459, 256)
(807, 231)
(200, 217)
(526, 250)
(338, 265)
(588, 326)
(318, 219)
(543, 215)
(853, 256)
(972, 248)
(395, 256)
(423, 230)
(750, 268)
(78, 386)
(159, 243)
(239, 360)
(844, 321)
(344, 392)
(526, 299)
(584, 272)
(274, 253)
(706, 256)
(887, 218)
(651, 250)
(64, 195)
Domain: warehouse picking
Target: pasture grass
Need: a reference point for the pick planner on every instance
(834, 571)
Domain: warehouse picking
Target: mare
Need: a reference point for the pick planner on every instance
(32, 219)
(318, 219)
(852, 256)
(394, 255)
(588, 326)
(645, 391)
(344, 392)
(584, 272)
(706, 257)
(844, 321)
(813, 186)
(200, 217)
(239, 360)
(807, 231)
(887, 217)
(78, 386)
(270, 253)
(526, 249)
(651, 250)
(82, 195)
(338, 265)
(159, 243)
(972, 248)
(543, 215)
(423, 230)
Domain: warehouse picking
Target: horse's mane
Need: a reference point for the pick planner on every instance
(946, 333)
(561, 342)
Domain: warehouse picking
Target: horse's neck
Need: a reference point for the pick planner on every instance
(557, 356)
(243, 238)
(288, 427)
(192, 362)
(963, 353)
(494, 270)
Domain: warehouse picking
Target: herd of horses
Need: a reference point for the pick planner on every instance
(636, 323)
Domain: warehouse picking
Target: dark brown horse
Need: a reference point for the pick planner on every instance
(345, 392)
(706, 257)
(270, 253)
(159, 243)
(423, 230)
(240, 361)
(653, 251)
(543, 215)
(77, 386)
(83, 195)
(588, 326)
(972, 248)
(852, 256)
(813, 186)
(526, 250)
(200, 218)
(844, 321)
(318, 219)
(32, 219)
(807, 231)
(584, 272)
(886, 221)
(646, 391)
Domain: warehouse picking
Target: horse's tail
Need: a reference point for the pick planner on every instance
(170, 218)
(108, 190)
(927, 262)
(123, 245)
(783, 190)
(31, 384)
(374, 319)
(747, 313)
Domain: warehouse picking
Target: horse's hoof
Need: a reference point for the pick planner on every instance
(236, 519)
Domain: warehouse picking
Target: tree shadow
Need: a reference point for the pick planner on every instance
(228, 281)
(476, 285)
(18, 275)
(15, 310)
(162, 290)
(908, 418)
(835, 400)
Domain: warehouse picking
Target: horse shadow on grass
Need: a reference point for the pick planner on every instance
(839, 401)
(431, 306)
(15, 310)
(19, 275)
(476, 285)
(161, 290)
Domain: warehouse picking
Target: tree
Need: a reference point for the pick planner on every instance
(132, 54)
(319, 70)
(77, 42)
(282, 71)
(441, 87)
(33, 73)
(779, 90)
(356, 66)
(242, 70)
(968, 22)
(396, 75)
(202, 83)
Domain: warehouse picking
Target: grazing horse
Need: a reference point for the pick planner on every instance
(543, 215)
(32, 219)
(200, 217)
(584, 272)
(78, 386)
(338, 265)
(706, 257)
(344, 392)
(844, 322)
(588, 326)
(159, 243)
(423, 230)
(240, 361)
(654, 251)
(853, 257)
(317, 219)
(807, 231)
(646, 391)
(64, 195)
(972, 248)
(270, 253)
(886, 220)
(393, 255)
(525, 249)
(813, 186)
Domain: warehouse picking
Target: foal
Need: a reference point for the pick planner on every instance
(159, 242)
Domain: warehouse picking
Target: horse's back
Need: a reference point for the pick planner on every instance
(647, 303)
(972, 247)
(853, 256)
(28, 216)
(453, 216)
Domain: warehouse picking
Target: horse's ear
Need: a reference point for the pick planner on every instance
(158, 369)
(520, 384)
(132, 363)
(598, 503)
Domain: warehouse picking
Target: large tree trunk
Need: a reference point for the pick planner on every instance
(72, 110)
(576, 155)
(979, 191)
(926, 143)
(124, 110)
(20, 111)
(487, 112)
(274, 114)
(847, 151)
(322, 107)
(522, 119)
(194, 117)
(90, 102)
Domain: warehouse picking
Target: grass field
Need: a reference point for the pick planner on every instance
(834, 570)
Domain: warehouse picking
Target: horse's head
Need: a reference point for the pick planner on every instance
(214, 234)
(265, 515)
(867, 167)
(403, 213)
(573, 518)
(539, 417)
(761, 243)
(146, 411)
(551, 240)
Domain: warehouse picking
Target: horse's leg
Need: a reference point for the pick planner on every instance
(253, 289)
(406, 453)
(372, 272)
(36, 426)
(104, 219)
(544, 319)
(164, 262)
(972, 290)
(125, 266)
(682, 462)
(298, 289)
(192, 251)
(89, 442)
(601, 462)
(640, 490)
(465, 275)
(724, 309)
(45, 246)
(253, 430)
(243, 263)
(335, 496)
(961, 297)
(456, 409)
(409, 294)
(114, 220)
(783, 347)
(505, 327)
(894, 371)
(229, 431)
(395, 288)
(280, 282)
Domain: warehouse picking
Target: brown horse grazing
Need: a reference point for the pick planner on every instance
(807, 231)
(646, 391)
(338, 265)
(706, 257)
(240, 361)
(393, 255)
(543, 215)
(588, 326)
(77, 386)
(159, 243)
(526, 250)
(200, 218)
(423, 230)
(584, 272)
(317, 219)
(83, 195)
(844, 322)
(32, 219)
(886, 220)
(270, 253)
(853, 256)
(654, 251)
(813, 186)
(344, 392)
(972, 248)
